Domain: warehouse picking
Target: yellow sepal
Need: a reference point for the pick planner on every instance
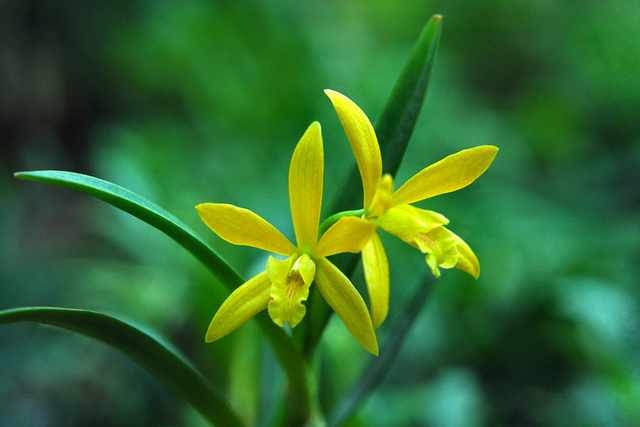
(449, 174)
(348, 234)
(243, 227)
(345, 300)
(376, 273)
(245, 302)
(363, 140)
(306, 173)
(467, 260)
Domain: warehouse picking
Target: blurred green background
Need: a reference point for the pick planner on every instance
(202, 101)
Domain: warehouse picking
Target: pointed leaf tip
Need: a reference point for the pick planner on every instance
(401, 111)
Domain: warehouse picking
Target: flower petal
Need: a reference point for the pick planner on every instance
(363, 140)
(345, 300)
(467, 260)
(406, 221)
(449, 174)
(290, 281)
(440, 247)
(243, 227)
(425, 230)
(305, 186)
(382, 197)
(245, 302)
(349, 234)
(376, 273)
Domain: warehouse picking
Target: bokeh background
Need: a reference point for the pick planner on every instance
(202, 101)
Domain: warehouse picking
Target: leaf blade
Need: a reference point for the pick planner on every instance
(155, 357)
(144, 210)
(288, 355)
(400, 113)
(373, 375)
(393, 130)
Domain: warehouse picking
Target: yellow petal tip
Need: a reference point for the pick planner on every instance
(375, 350)
(211, 336)
(378, 321)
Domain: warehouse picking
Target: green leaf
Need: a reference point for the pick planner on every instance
(148, 212)
(393, 130)
(142, 348)
(288, 355)
(401, 111)
(375, 372)
(398, 118)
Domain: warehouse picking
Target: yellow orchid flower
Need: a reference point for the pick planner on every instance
(284, 286)
(392, 211)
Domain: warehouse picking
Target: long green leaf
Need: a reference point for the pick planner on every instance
(393, 130)
(399, 115)
(289, 356)
(395, 126)
(139, 346)
(148, 212)
(375, 372)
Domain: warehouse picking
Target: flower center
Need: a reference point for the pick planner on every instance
(426, 243)
(290, 281)
(440, 248)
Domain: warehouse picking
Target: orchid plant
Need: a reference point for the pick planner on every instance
(287, 287)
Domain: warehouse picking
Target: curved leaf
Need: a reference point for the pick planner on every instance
(148, 212)
(289, 356)
(375, 372)
(393, 131)
(139, 346)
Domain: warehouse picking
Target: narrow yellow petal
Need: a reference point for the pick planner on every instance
(363, 140)
(243, 303)
(467, 260)
(290, 281)
(449, 174)
(305, 186)
(376, 273)
(243, 227)
(348, 234)
(345, 300)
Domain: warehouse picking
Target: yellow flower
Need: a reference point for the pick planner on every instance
(392, 211)
(284, 286)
